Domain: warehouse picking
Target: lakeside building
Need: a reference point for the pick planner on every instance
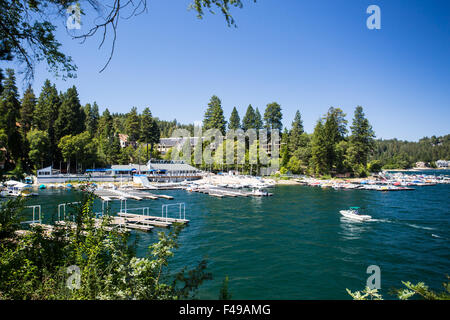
(165, 144)
(421, 164)
(154, 170)
(442, 164)
(161, 170)
(125, 142)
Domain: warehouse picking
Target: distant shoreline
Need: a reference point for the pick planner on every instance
(414, 169)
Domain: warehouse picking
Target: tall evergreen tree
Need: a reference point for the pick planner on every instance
(362, 138)
(105, 125)
(295, 134)
(214, 118)
(45, 115)
(71, 117)
(318, 163)
(92, 117)
(132, 125)
(273, 116)
(334, 131)
(150, 133)
(10, 116)
(235, 120)
(27, 110)
(284, 150)
(258, 120)
(1, 81)
(249, 120)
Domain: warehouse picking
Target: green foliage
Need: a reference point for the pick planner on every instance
(295, 135)
(224, 292)
(366, 294)
(10, 116)
(27, 110)
(28, 36)
(295, 165)
(28, 32)
(39, 144)
(362, 138)
(222, 5)
(419, 290)
(318, 150)
(10, 218)
(71, 116)
(214, 118)
(150, 133)
(397, 154)
(249, 120)
(34, 265)
(235, 121)
(374, 166)
(132, 125)
(273, 116)
(92, 117)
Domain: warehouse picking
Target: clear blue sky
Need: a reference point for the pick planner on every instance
(306, 55)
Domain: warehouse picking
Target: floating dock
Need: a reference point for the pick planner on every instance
(135, 194)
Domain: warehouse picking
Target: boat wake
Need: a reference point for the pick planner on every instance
(418, 227)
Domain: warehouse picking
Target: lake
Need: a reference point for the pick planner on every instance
(296, 245)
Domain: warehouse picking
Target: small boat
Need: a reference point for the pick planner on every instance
(353, 213)
(260, 193)
(42, 186)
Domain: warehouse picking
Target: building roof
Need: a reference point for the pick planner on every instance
(171, 142)
(158, 166)
(123, 137)
(172, 167)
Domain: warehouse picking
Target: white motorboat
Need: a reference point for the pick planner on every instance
(353, 213)
(260, 193)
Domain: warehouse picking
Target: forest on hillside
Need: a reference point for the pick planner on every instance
(53, 128)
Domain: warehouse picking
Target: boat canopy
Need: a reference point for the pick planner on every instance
(355, 208)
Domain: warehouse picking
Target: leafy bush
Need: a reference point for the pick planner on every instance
(34, 264)
(419, 290)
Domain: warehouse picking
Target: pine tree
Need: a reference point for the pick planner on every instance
(258, 120)
(249, 120)
(45, 115)
(150, 132)
(214, 118)
(334, 131)
(132, 125)
(27, 110)
(273, 116)
(10, 115)
(92, 117)
(295, 135)
(362, 138)
(1, 81)
(235, 120)
(284, 152)
(318, 161)
(105, 125)
(71, 117)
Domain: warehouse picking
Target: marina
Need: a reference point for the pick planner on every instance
(290, 236)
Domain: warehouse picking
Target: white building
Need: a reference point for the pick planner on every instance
(442, 164)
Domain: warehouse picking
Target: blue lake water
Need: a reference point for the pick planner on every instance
(295, 244)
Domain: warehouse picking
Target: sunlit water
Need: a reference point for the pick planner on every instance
(295, 244)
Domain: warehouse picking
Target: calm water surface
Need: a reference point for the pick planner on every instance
(295, 244)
